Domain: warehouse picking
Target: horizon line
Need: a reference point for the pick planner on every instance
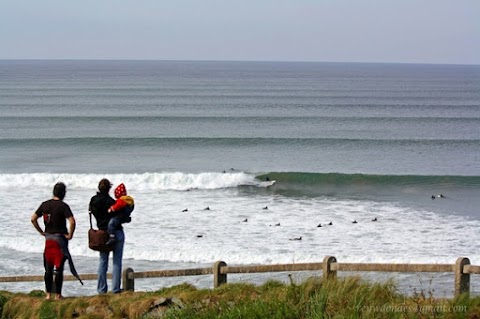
(239, 61)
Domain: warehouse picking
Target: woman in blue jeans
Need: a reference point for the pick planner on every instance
(99, 205)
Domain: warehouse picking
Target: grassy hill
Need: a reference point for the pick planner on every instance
(313, 298)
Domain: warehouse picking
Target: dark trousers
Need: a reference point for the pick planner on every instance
(49, 274)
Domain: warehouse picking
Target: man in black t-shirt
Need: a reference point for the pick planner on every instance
(55, 213)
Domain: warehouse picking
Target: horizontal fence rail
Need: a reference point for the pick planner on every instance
(329, 268)
(174, 273)
(40, 278)
(393, 267)
(270, 268)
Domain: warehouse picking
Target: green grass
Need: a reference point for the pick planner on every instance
(314, 298)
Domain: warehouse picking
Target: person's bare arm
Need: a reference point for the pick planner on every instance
(71, 227)
(35, 224)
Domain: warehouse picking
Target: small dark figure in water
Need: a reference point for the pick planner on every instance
(207, 208)
(354, 222)
(433, 196)
(199, 236)
(267, 179)
(297, 238)
(245, 220)
(277, 224)
(185, 210)
(374, 220)
(266, 207)
(319, 225)
(330, 223)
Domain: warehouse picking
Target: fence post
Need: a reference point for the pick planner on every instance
(462, 280)
(218, 277)
(128, 278)
(328, 273)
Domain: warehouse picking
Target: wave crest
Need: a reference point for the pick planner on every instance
(144, 181)
(339, 179)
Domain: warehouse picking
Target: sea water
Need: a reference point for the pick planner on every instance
(193, 141)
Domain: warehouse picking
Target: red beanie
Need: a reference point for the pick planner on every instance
(120, 191)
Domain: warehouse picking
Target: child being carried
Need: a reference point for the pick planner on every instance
(122, 208)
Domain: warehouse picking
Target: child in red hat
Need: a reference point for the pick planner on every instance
(122, 209)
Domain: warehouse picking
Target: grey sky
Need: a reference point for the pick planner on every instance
(416, 31)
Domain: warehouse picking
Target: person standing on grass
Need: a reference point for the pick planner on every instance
(55, 214)
(99, 205)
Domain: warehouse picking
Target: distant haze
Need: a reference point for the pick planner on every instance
(406, 31)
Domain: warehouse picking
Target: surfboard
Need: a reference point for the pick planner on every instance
(267, 183)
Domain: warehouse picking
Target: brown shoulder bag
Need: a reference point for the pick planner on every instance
(97, 238)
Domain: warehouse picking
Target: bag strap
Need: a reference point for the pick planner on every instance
(91, 226)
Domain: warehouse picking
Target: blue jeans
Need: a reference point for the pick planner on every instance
(102, 286)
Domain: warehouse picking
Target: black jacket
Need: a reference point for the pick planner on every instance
(99, 205)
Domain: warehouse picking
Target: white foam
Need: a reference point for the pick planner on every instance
(161, 231)
(144, 181)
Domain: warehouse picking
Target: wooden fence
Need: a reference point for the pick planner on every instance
(329, 268)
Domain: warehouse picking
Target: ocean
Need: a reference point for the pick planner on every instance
(344, 142)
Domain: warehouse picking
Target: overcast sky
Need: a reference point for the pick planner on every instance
(412, 31)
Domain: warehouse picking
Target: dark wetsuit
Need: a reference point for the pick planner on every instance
(55, 213)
